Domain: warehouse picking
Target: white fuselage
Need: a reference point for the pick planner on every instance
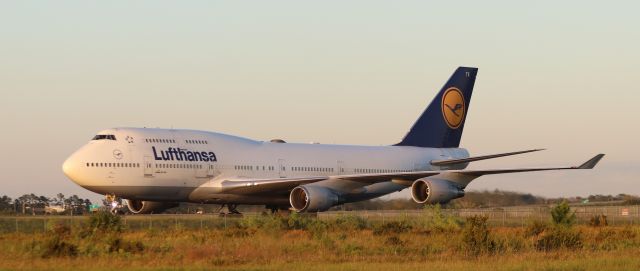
(189, 165)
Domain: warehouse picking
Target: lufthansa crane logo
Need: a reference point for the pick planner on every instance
(117, 154)
(453, 107)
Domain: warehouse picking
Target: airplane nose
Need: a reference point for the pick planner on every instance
(70, 168)
(66, 167)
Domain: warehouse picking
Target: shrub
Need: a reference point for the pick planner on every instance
(239, 232)
(395, 245)
(392, 227)
(298, 221)
(475, 236)
(56, 246)
(559, 237)
(268, 223)
(318, 229)
(436, 220)
(59, 228)
(598, 221)
(535, 228)
(115, 244)
(104, 221)
(394, 241)
(562, 214)
(349, 222)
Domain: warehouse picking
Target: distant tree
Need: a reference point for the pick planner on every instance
(6, 205)
(28, 202)
(59, 199)
(42, 201)
(87, 205)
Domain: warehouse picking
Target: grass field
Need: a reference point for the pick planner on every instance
(433, 241)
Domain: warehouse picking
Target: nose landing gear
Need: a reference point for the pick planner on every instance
(114, 204)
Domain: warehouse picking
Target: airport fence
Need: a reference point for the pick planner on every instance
(507, 216)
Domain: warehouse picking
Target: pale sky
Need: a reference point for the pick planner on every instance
(560, 75)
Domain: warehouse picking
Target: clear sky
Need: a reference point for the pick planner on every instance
(561, 75)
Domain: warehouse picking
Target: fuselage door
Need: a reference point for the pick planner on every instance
(149, 165)
(341, 169)
(282, 168)
(202, 170)
(211, 169)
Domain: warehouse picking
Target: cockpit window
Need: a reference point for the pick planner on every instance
(104, 137)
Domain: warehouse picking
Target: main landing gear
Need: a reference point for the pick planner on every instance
(278, 210)
(229, 209)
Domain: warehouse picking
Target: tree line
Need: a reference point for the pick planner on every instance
(37, 204)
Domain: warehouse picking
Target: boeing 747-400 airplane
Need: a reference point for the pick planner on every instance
(154, 169)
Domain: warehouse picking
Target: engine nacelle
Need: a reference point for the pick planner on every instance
(309, 198)
(148, 207)
(434, 191)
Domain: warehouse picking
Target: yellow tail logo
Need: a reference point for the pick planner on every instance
(453, 107)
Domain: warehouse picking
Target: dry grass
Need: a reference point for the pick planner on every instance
(326, 247)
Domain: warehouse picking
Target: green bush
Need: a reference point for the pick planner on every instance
(104, 221)
(267, 223)
(435, 219)
(559, 237)
(562, 215)
(475, 236)
(298, 221)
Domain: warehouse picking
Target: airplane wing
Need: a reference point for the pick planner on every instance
(478, 158)
(265, 186)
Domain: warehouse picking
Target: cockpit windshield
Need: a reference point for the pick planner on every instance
(104, 137)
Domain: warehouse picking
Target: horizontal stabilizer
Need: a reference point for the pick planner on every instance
(477, 158)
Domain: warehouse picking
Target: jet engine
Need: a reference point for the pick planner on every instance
(148, 207)
(309, 198)
(432, 191)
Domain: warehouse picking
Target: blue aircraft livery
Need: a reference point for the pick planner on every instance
(179, 154)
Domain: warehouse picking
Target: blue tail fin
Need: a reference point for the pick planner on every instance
(441, 124)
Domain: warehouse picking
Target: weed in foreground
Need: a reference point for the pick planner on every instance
(56, 246)
(392, 227)
(435, 219)
(559, 236)
(476, 239)
(535, 228)
(598, 221)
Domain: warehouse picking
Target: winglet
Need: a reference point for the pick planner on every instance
(592, 162)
